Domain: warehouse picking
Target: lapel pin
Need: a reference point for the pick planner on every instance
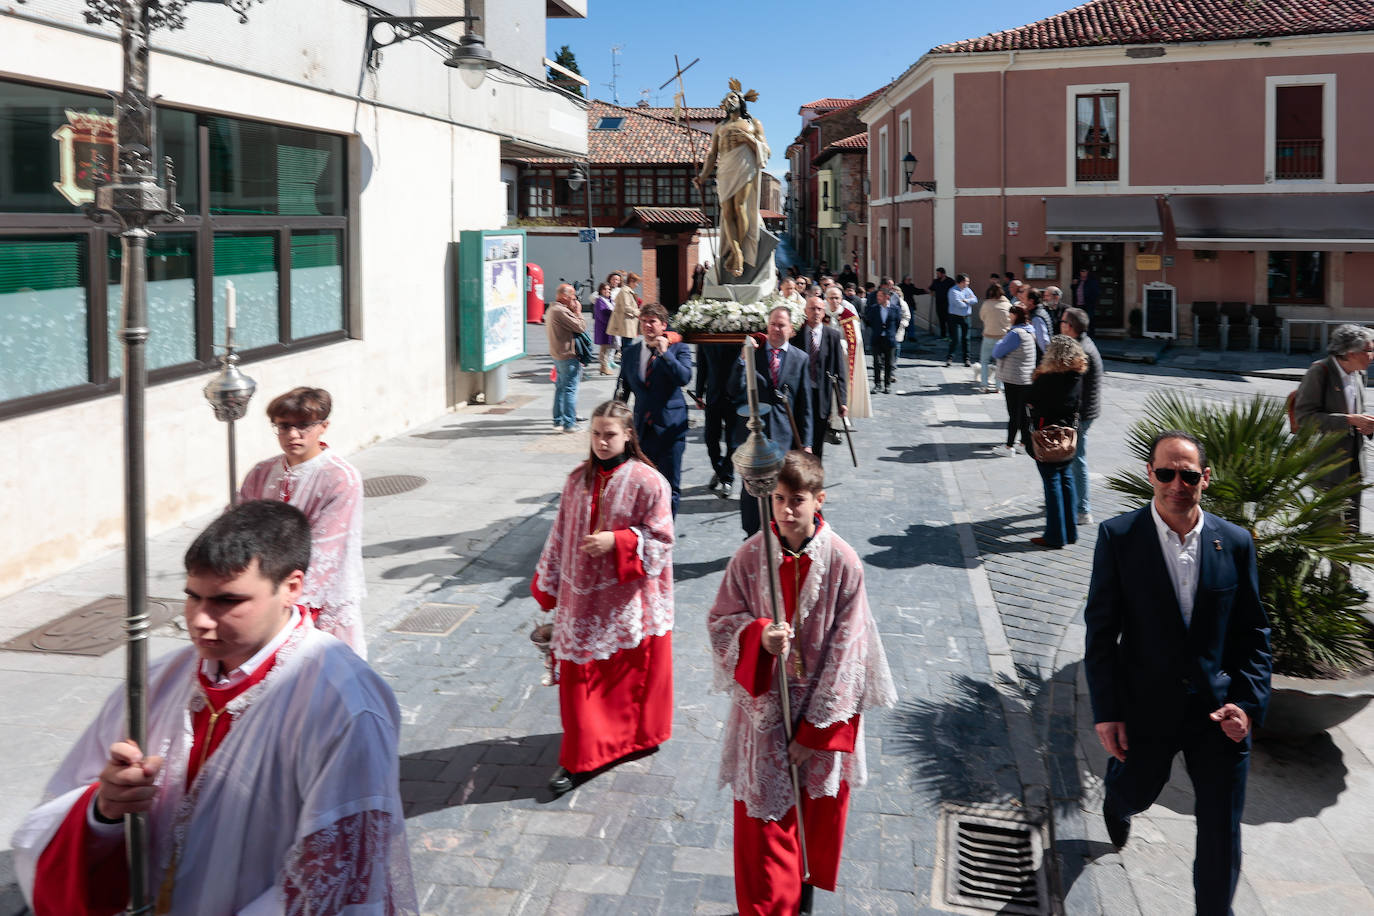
(1217, 543)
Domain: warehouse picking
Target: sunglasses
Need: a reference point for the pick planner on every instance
(1166, 475)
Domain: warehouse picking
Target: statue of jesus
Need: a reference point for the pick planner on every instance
(738, 153)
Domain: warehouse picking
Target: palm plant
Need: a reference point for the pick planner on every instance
(1263, 479)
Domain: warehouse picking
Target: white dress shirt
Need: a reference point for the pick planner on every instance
(1351, 382)
(1181, 558)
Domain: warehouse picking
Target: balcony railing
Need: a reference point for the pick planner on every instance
(1298, 159)
(1097, 162)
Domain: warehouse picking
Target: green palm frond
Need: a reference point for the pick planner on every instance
(1264, 479)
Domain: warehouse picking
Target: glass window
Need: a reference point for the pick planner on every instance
(43, 314)
(30, 160)
(176, 137)
(267, 170)
(316, 282)
(1297, 276)
(171, 301)
(1096, 137)
(251, 262)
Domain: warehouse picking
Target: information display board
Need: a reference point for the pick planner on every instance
(491, 284)
(1160, 308)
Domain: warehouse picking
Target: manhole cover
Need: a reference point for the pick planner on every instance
(991, 859)
(392, 484)
(92, 629)
(434, 619)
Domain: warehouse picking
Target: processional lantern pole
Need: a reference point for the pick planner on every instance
(758, 461)
(230, 391)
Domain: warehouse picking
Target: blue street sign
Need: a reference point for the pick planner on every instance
(586, 235)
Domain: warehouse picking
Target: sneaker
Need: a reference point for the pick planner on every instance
(572, 429)
(1085, 518)
(1003, 451)
(946, 364)
(967, 363)
(1020, 448)
(727, 490)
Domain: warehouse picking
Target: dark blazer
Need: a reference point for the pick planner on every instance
(659, 405)
(793, 380)
(1321, 396)
(715, 364)
(883, 330)
(1091, 291)
(832, 362)
(1143, 666)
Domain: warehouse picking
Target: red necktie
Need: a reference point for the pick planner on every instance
(774, 360)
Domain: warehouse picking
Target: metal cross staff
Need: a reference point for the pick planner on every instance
(679, 106)
(758, 461)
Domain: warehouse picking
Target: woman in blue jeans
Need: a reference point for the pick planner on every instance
(1055, 392)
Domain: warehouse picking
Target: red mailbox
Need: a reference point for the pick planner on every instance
(534, 294)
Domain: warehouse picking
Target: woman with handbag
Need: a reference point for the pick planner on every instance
(1055, 393)
(607, 573)
(624, 320)
(601, 313)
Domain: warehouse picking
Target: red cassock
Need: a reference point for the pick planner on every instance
(835, 644)
(613, 625)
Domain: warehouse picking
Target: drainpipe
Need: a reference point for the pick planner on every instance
(1002, 104)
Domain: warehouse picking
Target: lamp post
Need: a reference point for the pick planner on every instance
(135, 201)
(576, 179)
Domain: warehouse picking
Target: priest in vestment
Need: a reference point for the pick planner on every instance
(846, 318)
(836, 671)
(607, 572)
(270, 778)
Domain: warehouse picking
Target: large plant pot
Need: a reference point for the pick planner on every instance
(1301, 706)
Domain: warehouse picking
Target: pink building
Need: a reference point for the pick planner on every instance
(1217, 147)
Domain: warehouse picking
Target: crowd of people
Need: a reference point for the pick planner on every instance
(270, 769)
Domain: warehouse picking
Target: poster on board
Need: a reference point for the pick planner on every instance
(491, 265)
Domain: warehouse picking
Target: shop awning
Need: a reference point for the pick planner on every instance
(1275, 222)
(662, 217)
(1102, 219)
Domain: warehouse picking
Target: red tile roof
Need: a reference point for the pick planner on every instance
(858, 141)
(856, 103)
(645, 138)
(669, 216)
(1130, 22)
(699, 114)
(772, 214)
(828, 104)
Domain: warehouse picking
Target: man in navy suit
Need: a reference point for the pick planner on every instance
(654, 371)
(784, 383)
(884, 320)
(827, 370)
(1178, 660)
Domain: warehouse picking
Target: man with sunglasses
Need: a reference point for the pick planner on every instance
(1177, 659)
(309, 475)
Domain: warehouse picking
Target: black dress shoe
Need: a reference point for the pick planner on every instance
(715, 482)
(1118, 829)
(807, 897)
(1041, 542)
(560, 782)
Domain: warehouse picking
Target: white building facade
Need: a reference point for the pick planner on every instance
(329, 184)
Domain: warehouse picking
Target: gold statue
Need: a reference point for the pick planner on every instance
(738, 153)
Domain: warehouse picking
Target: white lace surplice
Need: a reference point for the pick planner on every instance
(597, 615)
(329, 491)
(298, 811)
(842, 655)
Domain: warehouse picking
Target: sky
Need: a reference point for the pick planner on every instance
(792, 53)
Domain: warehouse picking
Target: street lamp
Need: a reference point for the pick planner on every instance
(134, 200)
(576, 179)
(470, 56)
(908, 166)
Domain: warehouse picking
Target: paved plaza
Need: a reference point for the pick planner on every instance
(983, 632)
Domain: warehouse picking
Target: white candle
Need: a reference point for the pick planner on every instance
(231, 300)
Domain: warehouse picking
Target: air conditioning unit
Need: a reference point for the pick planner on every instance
(1159, 308)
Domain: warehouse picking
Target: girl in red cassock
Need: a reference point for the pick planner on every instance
(607, 573)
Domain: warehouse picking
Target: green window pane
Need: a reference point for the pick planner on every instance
(268, 170)
(30, 163)
(316, 283)
(250, 261)
(43, 336)
(171, 301)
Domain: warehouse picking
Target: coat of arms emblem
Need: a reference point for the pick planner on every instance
(86, 152)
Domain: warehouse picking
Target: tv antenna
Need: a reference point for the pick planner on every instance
(615, 72)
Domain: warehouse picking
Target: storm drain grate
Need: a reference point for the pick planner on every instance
(392, 484)
(92, 629)
(993, 860)
(433, 619)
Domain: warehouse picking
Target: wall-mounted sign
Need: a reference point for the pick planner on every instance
(491, 283)
(1013, 227)
(85, 153)
(1147, 262)
(973, 228)
(586, 235)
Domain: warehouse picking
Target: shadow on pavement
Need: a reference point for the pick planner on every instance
(484, 429)
(682, 572)
(958, 744)
(930, 452)
(976, 424)
(918, 545)
(496, 770)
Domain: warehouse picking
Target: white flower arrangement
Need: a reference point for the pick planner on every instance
(722, 316)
